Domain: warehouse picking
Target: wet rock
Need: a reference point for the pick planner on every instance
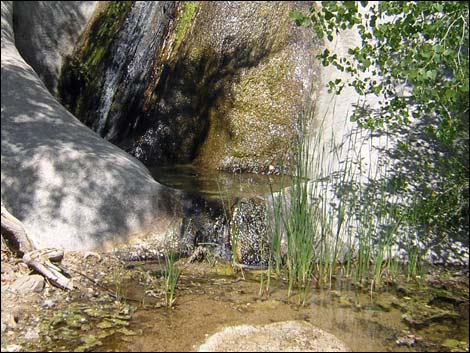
(222, 89)
(105, 333)
(455, 345)
(387, 301)
(105, 324)
(464, 311)
(440, 295)
(128, 332)
(76, 320)
(249, 232)
(259, 65)
(199, 254)
(409, 340)
(205, 225)
(294, 336)
(28, 284)
(90, 341)
(266, 304)
(345, 301)
(421, 315)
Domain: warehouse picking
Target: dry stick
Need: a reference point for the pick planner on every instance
(108, 291)
(15, 234)
(38, 260)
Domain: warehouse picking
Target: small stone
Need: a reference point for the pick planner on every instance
(105, 333)
(28, 284)
(91, 340)
(386, 301)
(409, 340)
(32, 334)
(48, 303)
(6, 268)
(288, 336)
(345, 301)
(14, 348)
(455, 346)
(127, 332)
(105, 324)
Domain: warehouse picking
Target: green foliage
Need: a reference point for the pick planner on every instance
(423, 45)
(414, 57)
(170, 278)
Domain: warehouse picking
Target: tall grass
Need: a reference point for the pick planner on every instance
(347, 221)
(170, 278)
(296, 215)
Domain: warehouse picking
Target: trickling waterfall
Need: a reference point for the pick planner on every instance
(133, 52)
(214, 84)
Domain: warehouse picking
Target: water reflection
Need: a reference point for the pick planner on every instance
(217, 184)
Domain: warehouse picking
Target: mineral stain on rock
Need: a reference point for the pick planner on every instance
(219, 83)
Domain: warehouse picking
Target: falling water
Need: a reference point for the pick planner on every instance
(133, 51)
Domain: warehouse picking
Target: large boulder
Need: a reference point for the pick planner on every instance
(219, 84)
(46, 31)
(259, 73)
(69, 187)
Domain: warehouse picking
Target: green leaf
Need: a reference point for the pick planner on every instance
(431, 74)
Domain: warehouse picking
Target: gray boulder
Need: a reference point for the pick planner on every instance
(69, 187)
(287, 336)
(46, 31)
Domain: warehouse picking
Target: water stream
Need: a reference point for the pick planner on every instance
(217, 184)
(209, 299)
(133, 55)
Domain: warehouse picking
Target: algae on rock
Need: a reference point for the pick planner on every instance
(222, 87)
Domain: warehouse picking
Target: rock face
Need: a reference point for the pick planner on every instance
(221, 84)
(288, 336)
(250, 236)
(46, 31)
(69, 187)
(260, 70)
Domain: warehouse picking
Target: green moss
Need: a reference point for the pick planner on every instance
(185, 17)
(102, 32)
(82, 71)
(260, 115)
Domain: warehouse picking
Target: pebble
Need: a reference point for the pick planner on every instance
(48, 303)
(28, 284)
(32, 334)
(13, 348)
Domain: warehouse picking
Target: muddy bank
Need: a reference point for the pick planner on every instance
(119, 306)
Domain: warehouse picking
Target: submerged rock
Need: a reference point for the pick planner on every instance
(287, 336)
(249, 232)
